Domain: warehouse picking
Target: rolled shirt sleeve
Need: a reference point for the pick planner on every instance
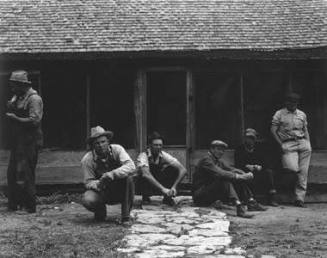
(127, 167)
(142, 160)
(88, 169)
(276, 118)
(35, 107)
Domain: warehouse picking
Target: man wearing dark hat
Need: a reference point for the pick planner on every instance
(214, 180)
(251, 158)
(159, 171)
(289, 128)
(25, 111)
(108, 171)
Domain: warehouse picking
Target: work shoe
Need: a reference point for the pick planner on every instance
(100, 214)
(146, 199)
(169, 201)
(126, 222)
(299, 203)
(272, 200)
(240, 212)
(253, 205)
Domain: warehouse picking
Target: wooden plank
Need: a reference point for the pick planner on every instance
(88, 104)
(190, 122)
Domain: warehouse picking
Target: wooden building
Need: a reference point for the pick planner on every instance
(192, 70)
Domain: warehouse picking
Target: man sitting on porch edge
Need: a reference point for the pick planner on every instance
(160, 173)
(108, 173)
(214, 180)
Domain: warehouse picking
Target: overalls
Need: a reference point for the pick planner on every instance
(26, 140)
(116, 191)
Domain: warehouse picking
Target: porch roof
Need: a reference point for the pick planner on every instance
(74, 26)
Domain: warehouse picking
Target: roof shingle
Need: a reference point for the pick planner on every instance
(52, 26)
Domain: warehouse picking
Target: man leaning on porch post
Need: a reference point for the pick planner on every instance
(289, 128)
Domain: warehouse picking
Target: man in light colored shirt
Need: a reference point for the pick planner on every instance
(160, 172)
(107, 172)
(25, 111)
(289, 128)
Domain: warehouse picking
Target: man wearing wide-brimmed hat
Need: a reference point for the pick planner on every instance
(108, 171)
(213, 180)
(251, 157)
(25, 111)
(289, 128)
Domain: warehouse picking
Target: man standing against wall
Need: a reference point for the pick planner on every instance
(25, 111)
(289, 128)
(159, 171)
(108, 171)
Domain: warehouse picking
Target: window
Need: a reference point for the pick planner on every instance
(263, 95)
(64, 98)
(112, 103)
(218, 108)
(311, 85)
(166, 105)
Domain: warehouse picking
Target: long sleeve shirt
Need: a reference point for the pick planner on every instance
(208, 169)
(118, 163)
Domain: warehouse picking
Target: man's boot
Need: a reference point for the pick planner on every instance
(272, 201)
(253, 205)
(100, 213)
(169, 201)
(240, 212)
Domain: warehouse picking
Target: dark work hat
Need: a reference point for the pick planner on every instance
(294, 97)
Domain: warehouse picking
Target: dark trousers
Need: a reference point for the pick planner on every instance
(117, 191)
(21, 176)
(224, 190)
(263, 182)
(166, 177)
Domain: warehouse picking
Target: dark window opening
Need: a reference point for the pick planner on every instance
(166, 105)
(112, 103)
(64, 97)
(217, 106)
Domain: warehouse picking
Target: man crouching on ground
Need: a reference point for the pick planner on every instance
(108, 173)
(160, 173)
(213, 180)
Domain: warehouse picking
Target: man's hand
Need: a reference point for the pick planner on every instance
(94, 185)
(172, 192)
(244, 177)
(11, 115)
(166, 191)
(238, 171)
(108, 176)
(250, 167)
(257, 167)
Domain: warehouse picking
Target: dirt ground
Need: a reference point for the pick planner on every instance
(63, 228)
(284, 231)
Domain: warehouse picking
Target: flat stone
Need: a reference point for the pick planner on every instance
(129, 250)
(234, 251)
(146, 240)
(220, 225)
(174, 248)
(207, 232)
(140, 228)
(159, 254)
(203, 249)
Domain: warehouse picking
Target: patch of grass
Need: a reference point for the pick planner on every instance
(57, 198)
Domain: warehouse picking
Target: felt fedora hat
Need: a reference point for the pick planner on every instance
(97, 132)
(20, 76)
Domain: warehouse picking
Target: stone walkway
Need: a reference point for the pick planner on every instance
(160, 231)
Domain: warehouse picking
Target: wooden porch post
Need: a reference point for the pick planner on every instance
(242, 112)
(88, 103)
(140, 110)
